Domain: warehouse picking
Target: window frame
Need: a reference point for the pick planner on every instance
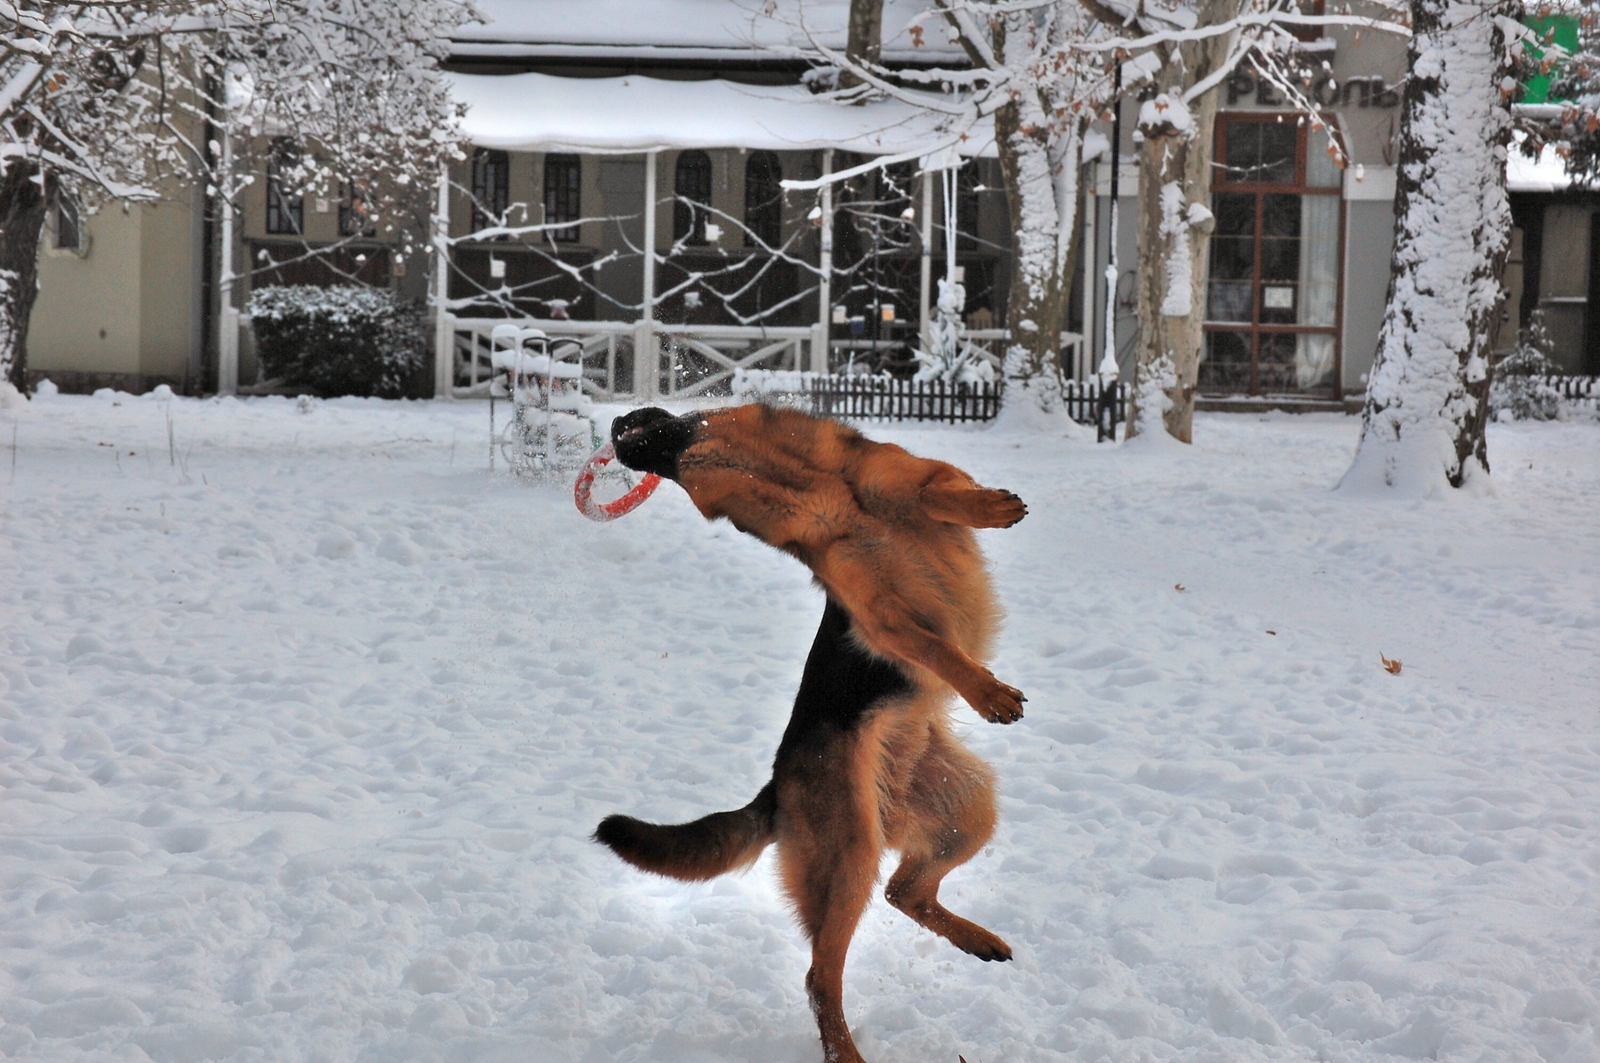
(352, 204)
(286, 213)
(563, 196)
(763, 219)
(67, 213)
(689, 223)
(1255, 327)
(491, 187)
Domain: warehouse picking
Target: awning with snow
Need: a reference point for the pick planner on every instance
(624, 115)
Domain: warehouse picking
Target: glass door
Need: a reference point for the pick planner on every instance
(1273, 299)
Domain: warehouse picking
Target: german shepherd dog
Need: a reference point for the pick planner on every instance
(868, 761)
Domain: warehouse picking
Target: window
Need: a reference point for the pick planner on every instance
(491, 194)
(68, 223)
(1273, 298)
(563, 195)
(355, 212)
(286, 206)
(967, 183)
(763, 199)
(1309, 7)
(692, 184)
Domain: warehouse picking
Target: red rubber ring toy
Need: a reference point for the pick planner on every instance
(602, 511)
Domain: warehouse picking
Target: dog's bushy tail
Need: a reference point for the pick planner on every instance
(706, 848)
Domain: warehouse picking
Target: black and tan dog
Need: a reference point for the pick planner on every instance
(867, 762)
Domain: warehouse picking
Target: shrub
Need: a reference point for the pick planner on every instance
(337, 341)
(1521, 387)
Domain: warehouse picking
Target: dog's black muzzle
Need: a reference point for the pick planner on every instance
(650, 440)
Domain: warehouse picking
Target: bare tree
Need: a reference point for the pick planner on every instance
(118, 100)
(1043, 71)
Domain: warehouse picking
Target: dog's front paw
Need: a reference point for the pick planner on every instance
(998, 509)
(1000, 703)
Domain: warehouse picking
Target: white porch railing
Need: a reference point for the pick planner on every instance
(992, 342)
(689, 360)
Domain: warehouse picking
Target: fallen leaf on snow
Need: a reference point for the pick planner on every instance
(1180, 588)
(1392, 667)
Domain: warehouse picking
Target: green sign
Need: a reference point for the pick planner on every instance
(1560, 30)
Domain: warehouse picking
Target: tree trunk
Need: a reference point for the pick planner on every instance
(1040, 164)
(1175, 224)
(1423, 423)
(865, 42)
(21, 223)
(1174, 244)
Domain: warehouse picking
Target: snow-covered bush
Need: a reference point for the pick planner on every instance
(947, 357)
(1521, 387)
(337, 341)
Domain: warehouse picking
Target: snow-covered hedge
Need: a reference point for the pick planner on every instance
(1521, 389)
(337, 341)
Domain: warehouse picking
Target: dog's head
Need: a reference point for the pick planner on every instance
(651, 439)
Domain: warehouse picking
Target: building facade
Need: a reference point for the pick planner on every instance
(551, 226)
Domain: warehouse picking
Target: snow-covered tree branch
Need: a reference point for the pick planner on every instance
(122, 99)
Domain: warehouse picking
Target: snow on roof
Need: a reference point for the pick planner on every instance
(1547, 173)
(697, 29)
(541, 112)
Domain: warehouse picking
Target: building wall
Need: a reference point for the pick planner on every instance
(125, 312)
(1368, 241)
(86, 316)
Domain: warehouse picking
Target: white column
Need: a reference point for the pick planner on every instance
(824, 329)
(925, 298)
(444, 355)
(227, 316)
(1090, 252)
(646, 355)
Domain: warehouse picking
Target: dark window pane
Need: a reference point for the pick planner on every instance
(355, 211)
(967, 206)
(285, 205)
(1243, 143)
(1278, 143)
(1280, 215)
(1226, 366)
(563, 195)
(1230, 301)
(1232, 258)
(692, 186)
(490, 188)
(763, 199)
(1236, 213)
(69, 227)
(1276, 371)
(1280, 260)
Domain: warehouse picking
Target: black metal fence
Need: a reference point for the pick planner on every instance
(879, 398)
(1083, 400)
(1576, 387)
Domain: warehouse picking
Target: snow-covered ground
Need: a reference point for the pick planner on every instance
(303, 729)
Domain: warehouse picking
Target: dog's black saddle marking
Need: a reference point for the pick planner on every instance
(841, 683)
